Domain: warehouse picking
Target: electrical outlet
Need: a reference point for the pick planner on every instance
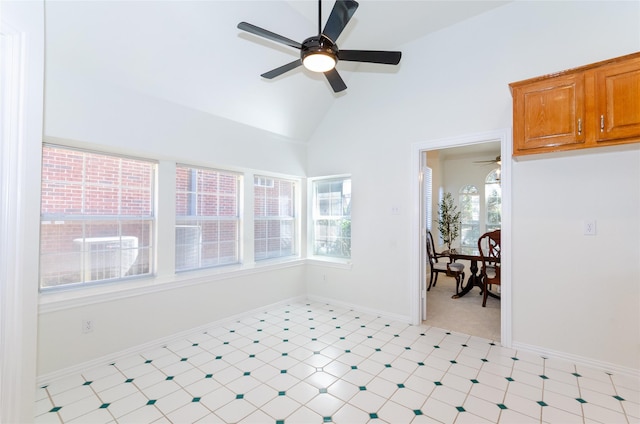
(590, 227)
(87, 326)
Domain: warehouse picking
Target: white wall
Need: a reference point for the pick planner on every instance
(88, 110)
(85, 110)
(455, 82)
(451, 83)
(127, 322)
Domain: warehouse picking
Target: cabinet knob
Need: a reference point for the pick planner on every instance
(579, 126)
(601, 123)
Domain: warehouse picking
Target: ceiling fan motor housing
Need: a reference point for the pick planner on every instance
(319, 44)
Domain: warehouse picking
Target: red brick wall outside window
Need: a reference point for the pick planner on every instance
(207, 218)
(97, 217)
(274, 218)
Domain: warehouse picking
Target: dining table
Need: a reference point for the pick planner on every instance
(475, 279)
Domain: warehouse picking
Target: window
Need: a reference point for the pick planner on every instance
(493, 200)
(97, 217)
(469, 217)
(207, 218)
(331, 216)
(274, 218)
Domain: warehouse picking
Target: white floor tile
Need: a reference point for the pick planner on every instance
(302, 392)
(349, 414)
(304, 415)
(98, 416)
(439, 411)
(313, 363)
(188, 413)
(482, 408)
(409, 398)
(260, 395)
(392, 412)
(280, 407)
(235, 411)
(325, 404)
(367, 401)
(127, 404)
(146, 414)
(555, 415)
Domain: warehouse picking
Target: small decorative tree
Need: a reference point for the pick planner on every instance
(448, 220)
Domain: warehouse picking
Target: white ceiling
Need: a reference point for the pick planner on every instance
(483, 151)
(191, 53)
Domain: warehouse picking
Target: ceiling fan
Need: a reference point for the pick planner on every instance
(497, 161)
(320, 53)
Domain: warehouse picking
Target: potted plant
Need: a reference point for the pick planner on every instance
(448, 220)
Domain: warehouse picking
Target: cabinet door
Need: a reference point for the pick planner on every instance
(617, 102)
(549, 114)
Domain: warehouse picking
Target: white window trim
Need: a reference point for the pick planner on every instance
(165, 277)
(296, 218)
(237, 218)
(153, 217)
(344, 263)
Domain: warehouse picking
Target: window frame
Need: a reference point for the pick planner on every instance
(188, 220)
(165, 276)
(103, 246)
(266, 182)
(313, 216)
(472, 226)
(492, 179)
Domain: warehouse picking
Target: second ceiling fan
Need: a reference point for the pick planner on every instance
(497, 161)
(320, 53)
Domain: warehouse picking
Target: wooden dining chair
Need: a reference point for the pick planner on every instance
(451, 269)
(489, 248)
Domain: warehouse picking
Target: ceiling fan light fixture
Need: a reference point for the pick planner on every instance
(319, 54)
(319, 62)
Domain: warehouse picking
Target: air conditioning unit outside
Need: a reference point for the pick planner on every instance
(107, 257)
(188, 247)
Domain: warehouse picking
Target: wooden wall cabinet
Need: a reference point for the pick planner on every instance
(594, 105)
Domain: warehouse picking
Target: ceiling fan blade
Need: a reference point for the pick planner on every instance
(282, 69)
(245, 26)
(340, 15)
(371, 56)
(335, 80)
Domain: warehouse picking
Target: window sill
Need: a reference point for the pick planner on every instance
(81, 296)
(329, 261)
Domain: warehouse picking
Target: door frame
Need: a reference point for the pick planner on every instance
(22, 94)
(417, 260)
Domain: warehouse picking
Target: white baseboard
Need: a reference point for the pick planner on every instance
(578, 360)
(114, 357)
(360, 308)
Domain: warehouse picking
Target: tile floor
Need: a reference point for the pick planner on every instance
(316, 363)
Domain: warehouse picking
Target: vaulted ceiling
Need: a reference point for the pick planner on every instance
(191, 53)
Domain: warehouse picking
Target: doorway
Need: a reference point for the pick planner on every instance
(470, 174)
(419, 269)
